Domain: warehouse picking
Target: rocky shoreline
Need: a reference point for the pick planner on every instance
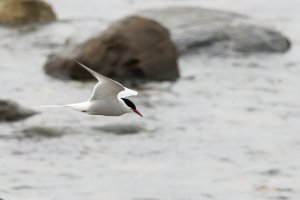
(148, 56)
(148, 48)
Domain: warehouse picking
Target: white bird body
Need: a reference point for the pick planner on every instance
(108, 98)
(100, 107)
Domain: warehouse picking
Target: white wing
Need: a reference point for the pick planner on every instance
(126, 93)
(107, 88)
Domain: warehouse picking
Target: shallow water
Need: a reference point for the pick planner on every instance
(228, 129)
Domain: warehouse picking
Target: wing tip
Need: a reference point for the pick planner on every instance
(127, 92)
(79, 63)
(92, 72)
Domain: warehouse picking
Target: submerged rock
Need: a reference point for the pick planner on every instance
(120, 129)
(14, 12)
(216, 31)
(11, 111)
(48, 132)
(134, 47)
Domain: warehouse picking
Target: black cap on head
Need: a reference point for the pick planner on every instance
(129, 103)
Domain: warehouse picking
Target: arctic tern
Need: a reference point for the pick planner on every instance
(108, 98)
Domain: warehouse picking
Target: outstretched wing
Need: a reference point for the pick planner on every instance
(107, 88)
(126, 93)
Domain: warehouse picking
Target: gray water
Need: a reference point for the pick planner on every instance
(227, 129)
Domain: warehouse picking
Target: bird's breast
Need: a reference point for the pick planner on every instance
(108, 108)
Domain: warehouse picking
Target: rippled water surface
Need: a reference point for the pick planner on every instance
(227, 129)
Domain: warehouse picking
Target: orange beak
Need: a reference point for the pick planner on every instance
(137, 112)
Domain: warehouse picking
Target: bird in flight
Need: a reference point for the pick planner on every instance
(108, 98)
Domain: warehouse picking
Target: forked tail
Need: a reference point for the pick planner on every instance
(82, 107)
(49, 106)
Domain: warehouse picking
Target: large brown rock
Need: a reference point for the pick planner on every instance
(134, 47)
(14, 12)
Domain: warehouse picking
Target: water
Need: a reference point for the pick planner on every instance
(228, 129)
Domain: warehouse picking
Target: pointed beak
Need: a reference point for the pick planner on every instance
(137, 112)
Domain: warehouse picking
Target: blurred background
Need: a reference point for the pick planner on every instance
(218, 84)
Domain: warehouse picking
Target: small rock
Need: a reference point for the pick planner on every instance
(120, 129)
(284, 189)
(216, 32)
(22, 187)
(282, 197)
(15, 12)
(11, 111)
(272, 172)
(134, 47)
(42, 131)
